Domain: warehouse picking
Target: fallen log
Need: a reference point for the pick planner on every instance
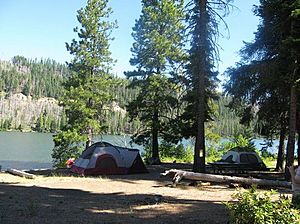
(21, 173)
(178, 175)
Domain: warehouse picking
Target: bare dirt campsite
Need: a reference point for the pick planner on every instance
(140, 198)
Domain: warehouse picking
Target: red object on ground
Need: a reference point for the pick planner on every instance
(70, 162)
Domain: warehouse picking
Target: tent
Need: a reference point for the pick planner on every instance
(105, 158)
(240, 158)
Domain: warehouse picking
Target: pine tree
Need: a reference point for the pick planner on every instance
(292, 44)
(202, 75)
(88, 88)
(157, 53)
(267, 77)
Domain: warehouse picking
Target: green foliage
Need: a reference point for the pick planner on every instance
(36, 78)
(227, 117)
(47, 123)
(157, 54)
(87, 91)
(170, 152)
(259, 208)
(6, 124)
(156, 97)
(216, 148)
(84, 105)
(201, 76)
(176, 152)
(91, 52)
(158, 35)
(296, 200)
(67, 144)
(242, 141)
(49, 120)
(268, 71)
(265, 154)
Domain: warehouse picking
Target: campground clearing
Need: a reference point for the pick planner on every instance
(139, 198)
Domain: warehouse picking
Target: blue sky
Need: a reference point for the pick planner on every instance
(40, 28)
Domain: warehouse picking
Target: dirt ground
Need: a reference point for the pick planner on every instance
(140, 198)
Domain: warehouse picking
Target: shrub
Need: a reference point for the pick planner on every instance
(239, 141)
(213, 154)
(146, 153)
(68, 144)
(216, 148)
(259, 208)
(171, 152)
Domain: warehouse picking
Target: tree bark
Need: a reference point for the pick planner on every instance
(298, 142)
(88, 143)
(180, 174)
(293, 109)
(21, 173)
(155, 151)
(280, 156)
(292, 132)
(199, 151)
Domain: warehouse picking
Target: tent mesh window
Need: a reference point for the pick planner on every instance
(106, 163)
(248, 158)
(252, 158)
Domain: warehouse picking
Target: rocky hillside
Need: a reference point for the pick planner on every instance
(18, 111)
(29, 90)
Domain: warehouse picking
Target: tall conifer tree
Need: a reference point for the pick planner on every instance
(267, 77)
(157, 52)
(88, 88)
(202, 73)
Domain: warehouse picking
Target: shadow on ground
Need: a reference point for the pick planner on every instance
(20, 204)
(153, 174)
(155, 170)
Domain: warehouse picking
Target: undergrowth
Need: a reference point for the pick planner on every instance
(253, 207)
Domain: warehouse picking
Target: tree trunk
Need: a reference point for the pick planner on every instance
(155, 152)
(21, 173)
(199, 151)
(88, 143)
(298, 142)
(292, 131)
(280, 156)
(293, 109)
(180, 174)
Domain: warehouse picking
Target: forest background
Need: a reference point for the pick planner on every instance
(29, 85)
(31, 88)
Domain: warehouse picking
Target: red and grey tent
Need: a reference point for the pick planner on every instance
(105, 158)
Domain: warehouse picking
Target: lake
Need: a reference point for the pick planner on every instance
(32, 150)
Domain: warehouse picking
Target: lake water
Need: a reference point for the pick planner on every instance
(21, 150)
(33, 150)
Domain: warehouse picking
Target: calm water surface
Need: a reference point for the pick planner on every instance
(33, 150)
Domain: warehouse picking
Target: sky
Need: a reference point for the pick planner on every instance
(40, 29)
